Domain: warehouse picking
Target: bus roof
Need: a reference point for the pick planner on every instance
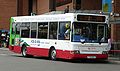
(45, 18)
(49, 18)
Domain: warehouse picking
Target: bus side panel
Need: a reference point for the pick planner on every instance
(63, 49)
(64, 54)
(85, 56)
(69, 55)
(37, 51)
(16, 49)
(45, 52)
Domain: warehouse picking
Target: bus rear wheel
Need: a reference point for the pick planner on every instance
(53, 54)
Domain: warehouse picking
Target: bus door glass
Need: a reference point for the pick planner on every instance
(15, 32)
(102, 33)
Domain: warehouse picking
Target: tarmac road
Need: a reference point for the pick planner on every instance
(10, 61)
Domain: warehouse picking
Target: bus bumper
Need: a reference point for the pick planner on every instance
(16, 49)
(69, 55)
(89, 56)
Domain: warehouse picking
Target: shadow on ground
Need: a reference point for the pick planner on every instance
(84, 61)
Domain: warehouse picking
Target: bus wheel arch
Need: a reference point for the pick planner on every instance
(52, 53)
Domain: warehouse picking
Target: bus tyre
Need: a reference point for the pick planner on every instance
(53, 54)
(24, 51)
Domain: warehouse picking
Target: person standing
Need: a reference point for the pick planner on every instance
(67, 32)
(66, 9)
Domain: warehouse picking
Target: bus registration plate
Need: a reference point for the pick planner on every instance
(91, 57)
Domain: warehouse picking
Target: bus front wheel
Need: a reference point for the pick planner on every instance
(24, 51)
(53, 54)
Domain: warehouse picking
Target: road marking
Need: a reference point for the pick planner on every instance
(3, 54)
(4, 49)
(8, 54)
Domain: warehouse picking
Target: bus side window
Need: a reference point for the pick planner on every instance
(25, 33)
(67, 32)
(42, 30)
(63, 31)
(25, 29)
(33, 29)
(53, 30)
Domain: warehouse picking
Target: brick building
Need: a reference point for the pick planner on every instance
(8, 8)
(115, 28)
(26, 7)
(43, 6)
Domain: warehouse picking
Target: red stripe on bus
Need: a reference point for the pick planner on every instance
(65, 54)
(38, 51)
(16, 49)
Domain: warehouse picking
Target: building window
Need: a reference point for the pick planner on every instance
(77, 4)
(30, 10)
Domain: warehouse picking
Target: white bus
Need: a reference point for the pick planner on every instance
(67, 36)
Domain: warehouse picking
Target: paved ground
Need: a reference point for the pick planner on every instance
(114, 60)
(10, 61)
(110, 59)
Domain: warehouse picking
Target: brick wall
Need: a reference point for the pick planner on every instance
(25, 7)
(91, 4)
(85, 5)
(42, 6)
(22, 7)
(62, 8)
(8, 8)
(116, 6)
(115, 30)
(115, 34)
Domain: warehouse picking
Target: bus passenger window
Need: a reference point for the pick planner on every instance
(67, 32)
(25, 33)
(33, 29)
(64, 31)
(42, 30)
(53, 30)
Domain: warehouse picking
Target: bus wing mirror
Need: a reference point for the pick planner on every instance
(82, 41)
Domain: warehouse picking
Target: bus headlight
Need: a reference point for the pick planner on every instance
(105, 52)
(75, 52)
